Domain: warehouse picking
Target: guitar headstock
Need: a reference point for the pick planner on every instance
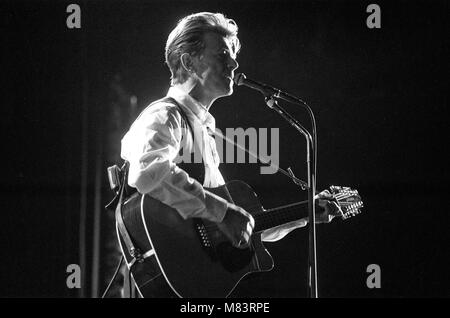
(348, 199)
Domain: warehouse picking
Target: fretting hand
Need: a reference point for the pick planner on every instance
(326, 209)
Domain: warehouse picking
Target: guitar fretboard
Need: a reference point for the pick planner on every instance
(348, 201)
(273, 217)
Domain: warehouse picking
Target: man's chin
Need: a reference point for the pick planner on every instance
(226, 92)
(230, 89)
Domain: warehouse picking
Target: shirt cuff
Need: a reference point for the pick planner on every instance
(216, 207)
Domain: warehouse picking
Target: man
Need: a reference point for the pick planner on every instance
(201, 55)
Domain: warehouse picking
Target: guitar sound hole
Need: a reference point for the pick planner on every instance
(233, 259)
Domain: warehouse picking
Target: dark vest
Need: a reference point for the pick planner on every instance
(194, 170)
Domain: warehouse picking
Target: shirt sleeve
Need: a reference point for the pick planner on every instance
(151, 146)
(277, 233)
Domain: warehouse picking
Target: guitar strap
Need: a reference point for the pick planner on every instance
(182, 113)
(195, 170)
(134, 251)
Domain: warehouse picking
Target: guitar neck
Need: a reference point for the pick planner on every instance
(277, 216)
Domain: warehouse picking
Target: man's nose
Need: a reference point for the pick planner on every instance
(233, 64)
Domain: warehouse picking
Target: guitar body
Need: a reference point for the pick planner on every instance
(194, 257)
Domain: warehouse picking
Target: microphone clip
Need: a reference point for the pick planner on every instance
(270, 101)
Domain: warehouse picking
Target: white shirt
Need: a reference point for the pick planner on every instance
(152, 146)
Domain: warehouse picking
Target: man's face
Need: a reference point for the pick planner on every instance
(215, 67)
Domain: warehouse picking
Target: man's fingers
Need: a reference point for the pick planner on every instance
(249, 228)
(251, 220)
(244, 239)
(324, 194)
(334, 208)
(239, 226)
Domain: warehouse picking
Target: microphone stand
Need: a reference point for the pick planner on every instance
(311, 165)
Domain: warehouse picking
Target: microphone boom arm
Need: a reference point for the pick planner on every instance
(270, 93)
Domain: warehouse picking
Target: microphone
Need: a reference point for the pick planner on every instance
(240, 79)
(267, 90)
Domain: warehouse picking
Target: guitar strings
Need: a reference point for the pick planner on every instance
(269, 216)
(272, 215)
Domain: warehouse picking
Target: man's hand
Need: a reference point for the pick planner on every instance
(237, 225)
(328, 209)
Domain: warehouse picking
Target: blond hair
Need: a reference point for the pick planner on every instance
(188, 37)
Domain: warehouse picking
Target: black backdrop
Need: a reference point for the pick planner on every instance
(379, 96)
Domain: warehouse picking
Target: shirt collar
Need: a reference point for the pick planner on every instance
(194, 106)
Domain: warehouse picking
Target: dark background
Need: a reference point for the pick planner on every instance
(379, 97)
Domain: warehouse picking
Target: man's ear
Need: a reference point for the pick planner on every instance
(187, 62)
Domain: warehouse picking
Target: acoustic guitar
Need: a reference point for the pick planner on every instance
(193, 255)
